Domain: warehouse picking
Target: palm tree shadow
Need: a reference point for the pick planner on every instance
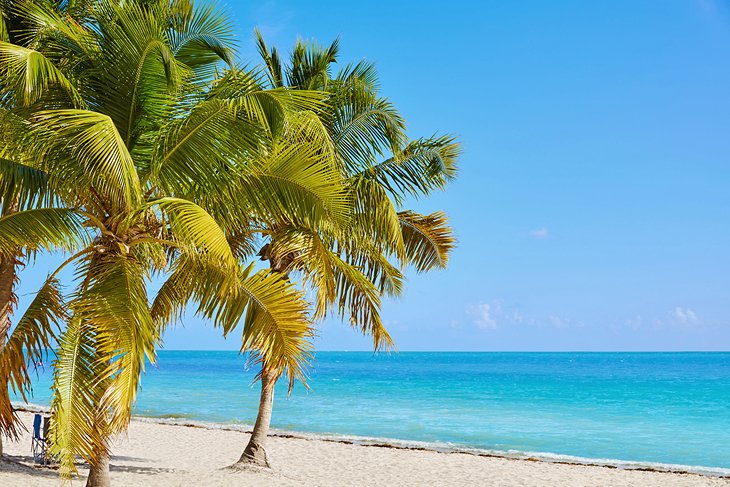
(24, 465)
(125, 458)
(140, 470)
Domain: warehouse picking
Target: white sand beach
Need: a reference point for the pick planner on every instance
(157, 455)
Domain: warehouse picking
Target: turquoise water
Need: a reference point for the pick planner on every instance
(671, 408)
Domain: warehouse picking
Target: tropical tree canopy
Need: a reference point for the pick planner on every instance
(352, 265)
(133, 143)
(349, 264)
(138, 157)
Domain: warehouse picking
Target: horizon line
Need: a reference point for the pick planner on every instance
(461, 351)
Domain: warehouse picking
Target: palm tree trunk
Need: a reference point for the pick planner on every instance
(255, 452)
(99, 467)
(7, 299)
(7, 280)
(99, 473)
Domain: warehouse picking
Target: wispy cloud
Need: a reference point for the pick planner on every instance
(495, 313)
(685, 316)
(481, 315)
(540, 233)
(558, 322)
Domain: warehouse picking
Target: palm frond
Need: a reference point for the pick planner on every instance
(276, 325)
(44, 228)
(361, 72)
(4, 34)
(428, 239)
(200, 145)
(115, 305)
(22, 186)
(376, 217)
(423, 166)
(299, 183)
(272, 60)
(192, 225)
(341, 285)
(277, 329)
(137, 76)
(86, 147)
(201, 36)
(363, 125)
(27, 75)
(75, 429)
(310, 65)
(29, 343)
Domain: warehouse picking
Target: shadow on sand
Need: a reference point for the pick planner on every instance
(24, 465)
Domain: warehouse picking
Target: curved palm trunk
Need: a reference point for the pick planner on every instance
(255, 452)
(99, 473)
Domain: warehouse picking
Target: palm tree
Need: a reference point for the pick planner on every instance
(347, 263)
(23, 188)
(137, 145)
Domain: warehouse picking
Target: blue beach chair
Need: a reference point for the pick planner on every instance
(38, 446)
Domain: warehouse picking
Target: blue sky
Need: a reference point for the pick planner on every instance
(592, 208)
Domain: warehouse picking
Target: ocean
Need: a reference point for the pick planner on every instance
(645, 408)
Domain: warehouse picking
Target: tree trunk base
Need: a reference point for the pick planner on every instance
(99, 474)
(253, 456)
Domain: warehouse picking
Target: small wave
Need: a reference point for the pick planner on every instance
(170, 416)
(446, 447)
(440, 447)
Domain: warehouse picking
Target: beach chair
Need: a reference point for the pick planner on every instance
(39, 446)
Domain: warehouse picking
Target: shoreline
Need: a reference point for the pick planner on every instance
(435, 447)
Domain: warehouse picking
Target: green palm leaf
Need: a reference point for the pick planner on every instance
(29, 343)
(75, 428)
(201, 36)
(44, 228)
(276, 325)
(115, 304)
(428, 239)
(363, 125)
(277, 328)
(22, 186)
(190, 224)
(302, 182)
(87, 149)
(28, 74)
(4, 35)
(346, 287)
(423, 166)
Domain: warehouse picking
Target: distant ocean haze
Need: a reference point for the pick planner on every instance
(669, 408)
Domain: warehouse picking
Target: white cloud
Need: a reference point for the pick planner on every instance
(685, 316)
(481, 315)
(540, 233)
(516, 317)
(558, 322)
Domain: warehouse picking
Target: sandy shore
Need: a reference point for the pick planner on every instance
(157, 455)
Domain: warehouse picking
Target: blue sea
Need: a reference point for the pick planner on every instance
(649, 408)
